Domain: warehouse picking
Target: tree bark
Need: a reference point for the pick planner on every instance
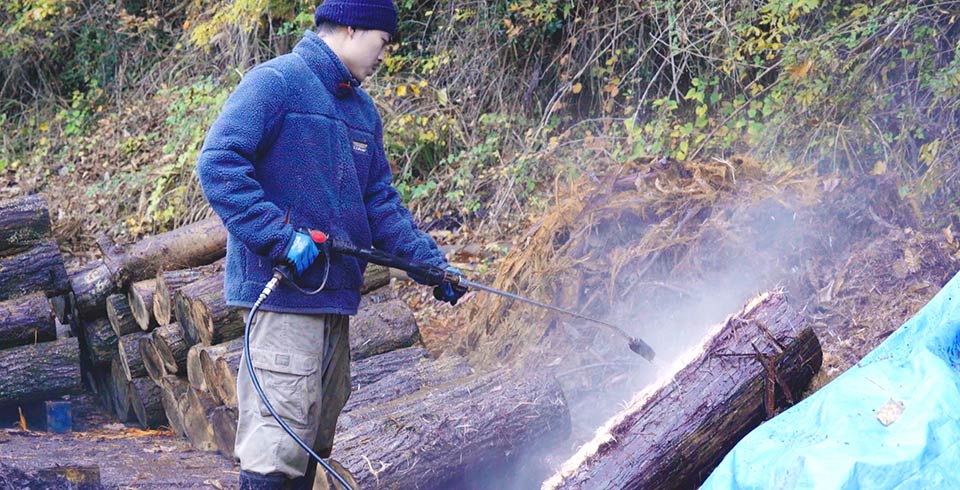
(197, 413)
(91, 285)
(145, 399)
(24, 223)
(375, 277)
(140, 296)
(37, 269)
(40, 371)
(372, 369)
(430, 439)
(121, 315)
(172, 348)
(382, 327)
(100, 340)
(129, 349)
(169, 282)
(223, 422)
(675, 432)
(421, 374)
(26, 320)
(172, 396)
(196, 244)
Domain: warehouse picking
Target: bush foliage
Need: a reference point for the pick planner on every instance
(486, 105)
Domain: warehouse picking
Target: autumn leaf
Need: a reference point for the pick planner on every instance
(577, 87)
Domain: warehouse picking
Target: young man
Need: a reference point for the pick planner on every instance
(299, 145)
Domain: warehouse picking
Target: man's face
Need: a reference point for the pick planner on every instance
(363, 51)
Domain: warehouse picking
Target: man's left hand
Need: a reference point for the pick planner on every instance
(446, 291)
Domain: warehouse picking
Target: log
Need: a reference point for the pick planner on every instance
(370, 370)
(198, 410)
(375, 277)
(26, 320)
(202, 311)
(676, 431)
(223, 422)
(128, 348)
(410, 379)
(91, 285)
(121, 315)
(169, 282)
(121, 387)
(41, 371)
(382, 327)
(173, 392)
(24, 223)
(208, 365)
(145, 399)
(194, 370)
(100, 340)
(172, 348)
(228, 365)
(200, 362)
(432, 438)
(37, 269)
(140, 296)
(196, 244)
(151, 359)
(61, 309)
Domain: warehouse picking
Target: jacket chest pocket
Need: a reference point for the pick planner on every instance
(362, 148)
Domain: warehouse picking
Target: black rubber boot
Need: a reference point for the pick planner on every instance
(256, 481)
(304, 482)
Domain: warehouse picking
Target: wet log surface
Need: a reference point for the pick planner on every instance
(24, 223)
(40, 268)
(431, 438)
(40, 371)
(196, 244)
(26, 320)
(676, 431)
(382, 327)
(171, 347)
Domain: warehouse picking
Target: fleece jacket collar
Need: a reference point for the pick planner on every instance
(324, 62)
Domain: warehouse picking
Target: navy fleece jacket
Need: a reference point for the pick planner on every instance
(292, 139)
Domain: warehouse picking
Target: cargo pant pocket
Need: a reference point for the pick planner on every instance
(289, 381)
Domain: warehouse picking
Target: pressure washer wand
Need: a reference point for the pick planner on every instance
(636, 345)
(435, 276)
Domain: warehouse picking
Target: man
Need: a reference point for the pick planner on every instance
(298, 145)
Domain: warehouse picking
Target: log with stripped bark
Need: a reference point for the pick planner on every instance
(26, 320)
(40, 371)
(676, 431)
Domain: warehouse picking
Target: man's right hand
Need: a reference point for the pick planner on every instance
(301, 252)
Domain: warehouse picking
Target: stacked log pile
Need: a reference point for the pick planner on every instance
(35, 364)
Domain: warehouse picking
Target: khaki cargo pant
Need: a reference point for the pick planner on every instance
(303, 364)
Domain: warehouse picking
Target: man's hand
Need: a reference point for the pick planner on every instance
(301, 252)
(446, 291)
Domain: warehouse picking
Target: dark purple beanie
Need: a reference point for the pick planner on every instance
(364, 14)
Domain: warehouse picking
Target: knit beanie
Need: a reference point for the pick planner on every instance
(364, 14)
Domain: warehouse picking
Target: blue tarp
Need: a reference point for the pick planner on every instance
(835, 438)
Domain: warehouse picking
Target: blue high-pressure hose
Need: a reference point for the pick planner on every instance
(281, 272)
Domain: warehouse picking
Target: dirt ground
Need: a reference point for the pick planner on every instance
(128, 458)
